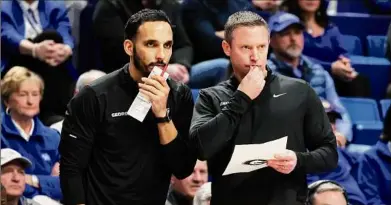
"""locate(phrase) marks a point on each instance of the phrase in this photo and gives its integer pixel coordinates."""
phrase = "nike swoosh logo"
(276, 96)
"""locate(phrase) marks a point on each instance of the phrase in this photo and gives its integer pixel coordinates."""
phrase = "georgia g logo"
(255, 162)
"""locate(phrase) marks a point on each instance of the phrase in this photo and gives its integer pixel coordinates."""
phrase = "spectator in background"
(287, 43)
(13, 176)
(323, 42)
(37, 34)
(203, 195)
(109, 20)
(267, 5)
(75, 8)
(182, 192)
(204, 21)
(326, 192)
(373, 173)
(343, 173)
(84, 79)
(21, 130)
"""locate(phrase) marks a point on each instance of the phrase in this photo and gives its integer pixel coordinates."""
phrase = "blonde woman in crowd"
(21, 130)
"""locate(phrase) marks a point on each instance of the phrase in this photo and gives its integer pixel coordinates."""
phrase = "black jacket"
(224, 117)
(109, 19)
(108, 157)
(202, 18)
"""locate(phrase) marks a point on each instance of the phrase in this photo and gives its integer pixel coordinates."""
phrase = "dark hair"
(242, 19)
(387, 126)
(321, 17)
(145, 15)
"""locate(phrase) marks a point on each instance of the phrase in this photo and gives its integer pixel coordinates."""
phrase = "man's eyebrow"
(169, 42)
(156, 41)
(150, 41)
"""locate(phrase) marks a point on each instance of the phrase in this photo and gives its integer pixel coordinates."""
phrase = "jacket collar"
(126, 79)
(17, 12)
(281, 65)
(9, 127)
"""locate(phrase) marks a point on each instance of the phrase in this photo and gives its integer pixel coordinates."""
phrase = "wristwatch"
(164, 119)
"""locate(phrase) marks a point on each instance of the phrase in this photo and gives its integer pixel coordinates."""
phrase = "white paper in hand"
(141, 105)
(251, 157)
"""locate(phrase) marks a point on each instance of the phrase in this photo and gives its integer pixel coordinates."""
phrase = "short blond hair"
(14, 78)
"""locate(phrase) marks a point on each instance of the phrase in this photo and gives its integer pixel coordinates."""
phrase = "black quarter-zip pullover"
(110, 158)
(224, 117)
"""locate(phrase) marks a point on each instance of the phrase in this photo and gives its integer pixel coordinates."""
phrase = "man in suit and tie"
(37, 34)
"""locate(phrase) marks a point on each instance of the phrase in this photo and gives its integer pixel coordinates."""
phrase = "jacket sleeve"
(337, 42)
(367, 180)
(10, 38)
(183, 50)
(211, 130)
(109, 31)
(180, 154)
(62, 24)
(50, 186)
(198, 24)
(344, 125)
(77, 138)
(319, 138)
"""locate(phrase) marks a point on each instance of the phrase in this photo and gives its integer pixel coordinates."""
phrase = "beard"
(141, 67)
(138, 64)
(293, 51)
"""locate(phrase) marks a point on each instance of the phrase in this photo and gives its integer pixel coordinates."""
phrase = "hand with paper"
(156, 90)
(251, 157)
(284, 162)
(152, 93)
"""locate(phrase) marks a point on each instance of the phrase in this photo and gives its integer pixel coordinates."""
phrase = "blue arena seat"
(352, 44)
(385, 104)
(356, 6)
(366, 132)
(377, 70)
(361, 109)
(361, 25)
(376, 46)
(195, 93)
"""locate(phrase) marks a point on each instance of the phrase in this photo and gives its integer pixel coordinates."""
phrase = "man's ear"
(128, 47)
(173, 178)
(226, 48)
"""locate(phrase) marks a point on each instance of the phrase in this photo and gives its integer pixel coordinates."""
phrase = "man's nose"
(160, 54)
(254, 55)
(16, 176)
(292, 37)
(197, 177)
